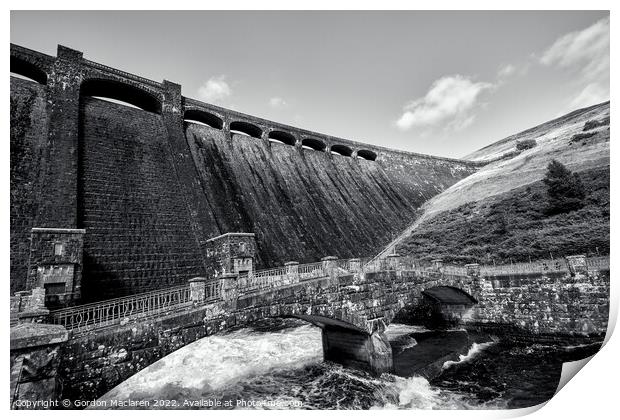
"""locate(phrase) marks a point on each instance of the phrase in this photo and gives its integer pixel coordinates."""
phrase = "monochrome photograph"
(306, 209)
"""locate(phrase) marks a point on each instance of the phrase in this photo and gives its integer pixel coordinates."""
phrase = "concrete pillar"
(370, 352)
(437, 264)
(393, 262)
(230, 289)
(197, 289)
(355, 265)
(577, 264)
(292, 272)
(329, 265)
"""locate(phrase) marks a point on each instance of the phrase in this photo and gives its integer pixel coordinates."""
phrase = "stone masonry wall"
(138, 233)
(554, 304)
(29, 123)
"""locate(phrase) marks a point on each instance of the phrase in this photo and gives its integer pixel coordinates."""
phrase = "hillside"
(497, 214)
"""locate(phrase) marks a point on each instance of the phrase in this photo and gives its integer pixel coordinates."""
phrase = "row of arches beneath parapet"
(128, 95)
(278, 136)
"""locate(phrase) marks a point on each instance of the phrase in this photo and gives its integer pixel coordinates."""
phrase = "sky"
(435, 82)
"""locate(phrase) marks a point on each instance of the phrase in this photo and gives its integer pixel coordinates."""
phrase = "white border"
(592, 394)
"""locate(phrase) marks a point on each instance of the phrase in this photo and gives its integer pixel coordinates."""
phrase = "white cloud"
(586, 53)
(277, 102)
(506, 71)
(215, 89)
(586, 50)
(592, 94)
(450, 101)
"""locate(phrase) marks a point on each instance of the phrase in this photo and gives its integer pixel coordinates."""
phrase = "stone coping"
(26, 335)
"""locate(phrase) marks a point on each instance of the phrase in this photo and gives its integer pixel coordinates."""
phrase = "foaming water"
(280, 363)
(217, 361)
(393, 331)
(473, 351)
(400, 336)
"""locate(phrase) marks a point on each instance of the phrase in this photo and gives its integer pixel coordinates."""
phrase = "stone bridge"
(92, 348)
(89, 349)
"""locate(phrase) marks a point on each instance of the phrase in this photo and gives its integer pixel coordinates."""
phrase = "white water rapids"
(284, 365)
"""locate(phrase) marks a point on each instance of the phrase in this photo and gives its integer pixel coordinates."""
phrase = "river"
(279, 364)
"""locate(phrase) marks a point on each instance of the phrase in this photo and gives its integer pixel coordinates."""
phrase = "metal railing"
(114, 310)
(213, 290)
(262, 279)
(454, 270)
(377, 264)
(598, 263)
(311, 271)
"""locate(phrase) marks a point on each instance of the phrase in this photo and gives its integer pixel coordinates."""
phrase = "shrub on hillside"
(592, 124)
(565, 191)
(526, 144)
(582, 136)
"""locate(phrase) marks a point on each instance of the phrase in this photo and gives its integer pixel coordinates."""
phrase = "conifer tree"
(565, 191)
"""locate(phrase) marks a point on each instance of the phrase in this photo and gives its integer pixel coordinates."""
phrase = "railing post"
(197, 290)
(230, 289)
(329, 266)
(355, 265)
(292, 272)
(577, 264)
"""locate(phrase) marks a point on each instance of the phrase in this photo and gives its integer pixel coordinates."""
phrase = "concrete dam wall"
(151, 185)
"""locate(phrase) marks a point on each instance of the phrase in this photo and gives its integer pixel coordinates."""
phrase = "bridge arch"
(27, 69)
(283, 137)
(449, 295)
(119, 91)
(314, 144)
(366, 154)
(246, 128)
(445, 306)
(203, 117)
(339, 149)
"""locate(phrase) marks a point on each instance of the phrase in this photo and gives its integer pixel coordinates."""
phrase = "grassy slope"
(463, 223)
